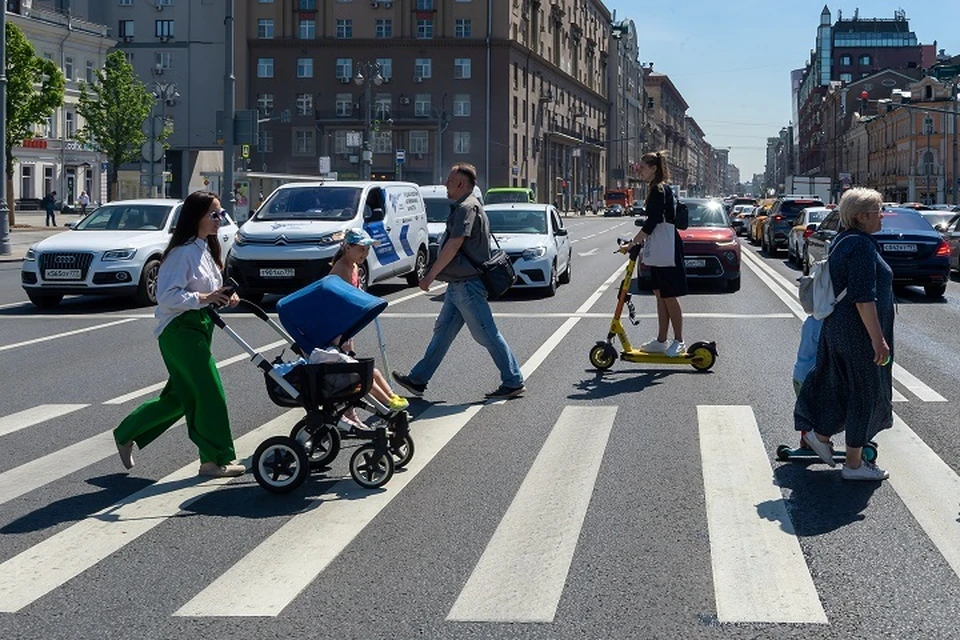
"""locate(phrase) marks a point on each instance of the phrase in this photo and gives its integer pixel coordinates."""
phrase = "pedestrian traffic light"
(563, 184)
(863, 102)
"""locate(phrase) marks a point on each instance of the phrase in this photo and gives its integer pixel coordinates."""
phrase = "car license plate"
(695, 264)
(277, 273)
(61, 274)
(900, 248)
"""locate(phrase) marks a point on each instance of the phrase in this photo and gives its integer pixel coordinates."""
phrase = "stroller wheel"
(280, 464)
(401, 448)
(369, 469)
(321, 447)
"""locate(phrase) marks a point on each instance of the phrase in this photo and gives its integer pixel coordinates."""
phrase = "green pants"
(193, 391)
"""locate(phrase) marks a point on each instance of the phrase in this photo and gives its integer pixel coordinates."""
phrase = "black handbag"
(497, 273)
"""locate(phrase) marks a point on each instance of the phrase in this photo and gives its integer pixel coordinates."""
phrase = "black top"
(657, 208)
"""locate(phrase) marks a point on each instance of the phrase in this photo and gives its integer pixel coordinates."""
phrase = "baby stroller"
(312, 317)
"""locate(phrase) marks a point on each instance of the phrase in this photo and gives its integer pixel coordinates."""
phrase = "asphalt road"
(645, 502)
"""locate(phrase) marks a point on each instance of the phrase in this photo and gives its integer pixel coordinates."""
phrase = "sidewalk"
(30, 229)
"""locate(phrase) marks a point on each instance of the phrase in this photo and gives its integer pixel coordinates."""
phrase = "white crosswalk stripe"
(35, 415)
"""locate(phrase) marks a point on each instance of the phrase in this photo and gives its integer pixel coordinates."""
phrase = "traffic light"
(563, 184)
(863, 102)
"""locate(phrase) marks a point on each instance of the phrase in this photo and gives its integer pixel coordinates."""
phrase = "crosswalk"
(759, 571)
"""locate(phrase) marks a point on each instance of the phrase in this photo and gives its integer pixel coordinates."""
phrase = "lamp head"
(358, 78)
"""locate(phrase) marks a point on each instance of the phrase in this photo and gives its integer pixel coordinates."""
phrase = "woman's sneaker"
(676, 349)
(654, 346)
(398, 404)
(866, 471)
(822, 449)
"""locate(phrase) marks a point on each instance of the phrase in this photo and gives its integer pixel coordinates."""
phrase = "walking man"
(465, 302)
(50, 205)
(84, 203)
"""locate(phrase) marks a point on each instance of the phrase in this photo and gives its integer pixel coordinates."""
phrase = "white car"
(114, 251)
(534, 237)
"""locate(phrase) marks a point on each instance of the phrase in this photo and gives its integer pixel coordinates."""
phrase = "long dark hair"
(657, 160)
(194, 208)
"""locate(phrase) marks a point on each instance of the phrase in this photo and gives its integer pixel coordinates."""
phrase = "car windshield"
(311, 203)
(438, 209)
(125, 217)
(707, 214)
(900, 220)
(937, 217)
(497, 197)
(517, 221)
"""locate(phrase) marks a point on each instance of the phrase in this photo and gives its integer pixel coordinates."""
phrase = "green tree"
(34, 90)
(114, 108)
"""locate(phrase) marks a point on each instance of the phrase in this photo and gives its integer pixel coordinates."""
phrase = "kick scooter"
(803, 453)
(699, 355)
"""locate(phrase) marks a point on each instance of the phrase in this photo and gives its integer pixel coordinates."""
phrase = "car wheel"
(44, 300)
(568, 272)
(419, 268)
(552, 286)
(147, 289)
(733, 285)
(935, 290)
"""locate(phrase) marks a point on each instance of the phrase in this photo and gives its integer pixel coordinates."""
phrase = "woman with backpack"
(850, 388)
(663, 253)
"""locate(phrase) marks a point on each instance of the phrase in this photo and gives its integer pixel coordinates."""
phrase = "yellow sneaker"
(398, 404)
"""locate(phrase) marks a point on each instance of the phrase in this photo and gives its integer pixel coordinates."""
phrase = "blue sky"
(731, 60)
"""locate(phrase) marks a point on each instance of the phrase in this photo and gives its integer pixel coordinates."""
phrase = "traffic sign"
(323, 164)
(354, 139)
(245, 151)
(401, 155)
(152, 151)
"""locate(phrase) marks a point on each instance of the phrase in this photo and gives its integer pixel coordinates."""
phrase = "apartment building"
(629, 129)
(668, 112)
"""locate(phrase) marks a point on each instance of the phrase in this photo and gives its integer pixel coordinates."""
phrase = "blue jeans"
(465, 302)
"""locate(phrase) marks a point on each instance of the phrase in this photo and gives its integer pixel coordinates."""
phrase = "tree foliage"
(114, 108)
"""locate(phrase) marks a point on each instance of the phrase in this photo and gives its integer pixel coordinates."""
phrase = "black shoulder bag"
(497, 273)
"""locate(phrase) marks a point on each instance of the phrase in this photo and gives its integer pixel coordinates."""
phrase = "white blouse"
(187, 271)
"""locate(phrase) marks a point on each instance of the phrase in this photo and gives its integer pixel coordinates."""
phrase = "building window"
(461, 68)
(344, 69)
(383, 142)
(165, 3)
(845, 60)
(461, 105)
(344, 105)
(382, 106)
(846, 77)
(266, 141)
(68, 68)
(128, 56)
(163, 60)
(306, 5)
(304, 104)
(47, 180)
(418, 142)
(865, 60)
(265, 28)
(265, 67)
(344, 28)
(304, 67)
(425, 5)
(421, 105)
(463, 28)
(126, 29)
(164, 29)
(91, 72)
(308, 29)
(303, 141)
(340, 142)
(26, 181)
(51, 126)
(384, 28)
(70, 128)
(386, 68)
(125, 3)
(265, 103)
(461, 142)
(423, 68)
(424, 29)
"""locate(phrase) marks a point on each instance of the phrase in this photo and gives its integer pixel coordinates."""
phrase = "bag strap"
(842, 294)
(477, 265)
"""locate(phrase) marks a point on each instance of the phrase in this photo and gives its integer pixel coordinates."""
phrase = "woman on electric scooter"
(669, 281)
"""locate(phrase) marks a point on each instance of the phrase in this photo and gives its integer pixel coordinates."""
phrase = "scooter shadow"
(606, 384)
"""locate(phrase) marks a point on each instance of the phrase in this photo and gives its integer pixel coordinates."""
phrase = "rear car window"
(904, 220)
(792, 208)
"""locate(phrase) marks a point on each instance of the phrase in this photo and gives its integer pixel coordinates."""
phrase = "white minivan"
(291, 239)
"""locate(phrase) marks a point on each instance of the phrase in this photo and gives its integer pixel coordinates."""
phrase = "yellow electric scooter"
(699, 355)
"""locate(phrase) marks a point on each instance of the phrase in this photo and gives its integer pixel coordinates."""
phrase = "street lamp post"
(443, 121)
(928, 156)
(166, 93)
(5, 248)
(581, 182)
(371, 77)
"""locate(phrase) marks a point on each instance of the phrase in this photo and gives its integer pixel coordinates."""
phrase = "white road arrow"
(589, 253)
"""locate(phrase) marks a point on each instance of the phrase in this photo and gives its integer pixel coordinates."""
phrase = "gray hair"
(856, 201)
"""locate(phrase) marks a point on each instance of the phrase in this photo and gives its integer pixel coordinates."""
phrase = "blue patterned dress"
(846, 390)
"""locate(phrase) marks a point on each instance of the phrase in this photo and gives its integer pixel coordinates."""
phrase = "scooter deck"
(785, 453)
(655, 358)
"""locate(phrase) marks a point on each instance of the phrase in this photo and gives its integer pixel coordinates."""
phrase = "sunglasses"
(218, 215)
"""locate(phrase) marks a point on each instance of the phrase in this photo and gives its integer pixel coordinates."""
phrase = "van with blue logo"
(291, 239)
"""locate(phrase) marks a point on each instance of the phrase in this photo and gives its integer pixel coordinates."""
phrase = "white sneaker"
(654, 346)
(822, 449)
(866, 471)
(676, 348)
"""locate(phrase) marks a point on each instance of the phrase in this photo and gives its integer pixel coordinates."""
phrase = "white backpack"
(816, 290)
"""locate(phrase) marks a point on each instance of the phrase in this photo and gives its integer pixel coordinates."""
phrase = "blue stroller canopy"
(330, 307)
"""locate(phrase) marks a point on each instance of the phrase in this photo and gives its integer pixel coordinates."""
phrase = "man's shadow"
(818, 503)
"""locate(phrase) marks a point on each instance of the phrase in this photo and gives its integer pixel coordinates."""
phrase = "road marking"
(928, 486)
(759, 573)
(417, 294)
(127, 397)
(592, 252)
(897, 396)
(782, 288)
(605, 316)
(13, 304)
(35, 415)
(63, 556)
(268, 578)
(65, 334)
(522, 572)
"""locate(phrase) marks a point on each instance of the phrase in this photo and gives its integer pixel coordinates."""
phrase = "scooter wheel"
(369, 469)
(321, 446)
(783, 453)
(870, 452)
(702, 356)
(602, 356)
(280, 464)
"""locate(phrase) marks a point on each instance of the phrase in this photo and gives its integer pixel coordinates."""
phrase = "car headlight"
(726, 243)
(118, 254)
(239, 238)
(333, 238)
(30, 256)
(534, 252)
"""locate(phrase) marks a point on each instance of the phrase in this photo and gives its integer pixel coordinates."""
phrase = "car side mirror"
(561, 232)
(71, 225)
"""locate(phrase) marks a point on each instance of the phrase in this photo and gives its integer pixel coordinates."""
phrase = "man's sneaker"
(503, 392)
(408, 384)
(866, 471)
(822, 449)
(654, 346)
(676, 348)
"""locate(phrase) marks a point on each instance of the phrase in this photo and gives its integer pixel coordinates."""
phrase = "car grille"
(711, 269)
(514, 255)
(66, 261)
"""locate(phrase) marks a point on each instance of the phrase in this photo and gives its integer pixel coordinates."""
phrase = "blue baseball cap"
(358, 236)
